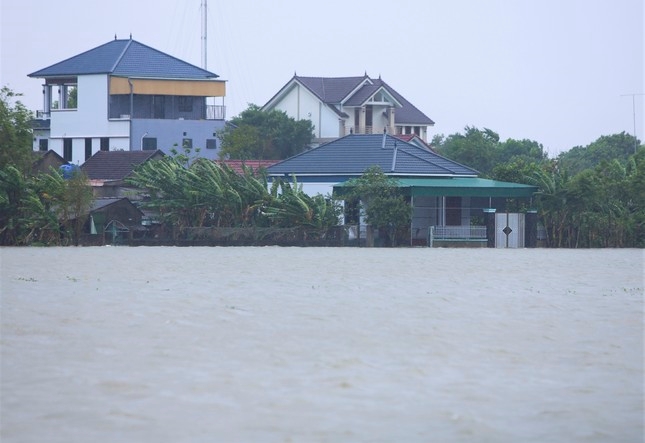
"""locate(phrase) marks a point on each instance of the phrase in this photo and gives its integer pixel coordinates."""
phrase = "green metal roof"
(460, 187)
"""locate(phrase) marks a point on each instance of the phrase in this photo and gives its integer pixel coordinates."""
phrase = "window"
(453, 211)
(185, 104)
(67, 149)
(211, 143)
(149, 144)
(70, 96)
(187, 143)
(43, 144)
(105, 143)
(88, 148)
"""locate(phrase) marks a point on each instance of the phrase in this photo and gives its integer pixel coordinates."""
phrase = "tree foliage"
(608, 147)
(483, 151)
(381, 201)
(15, 131)
(264, 135)
(591, 196)
(42, 209)
(208, 194)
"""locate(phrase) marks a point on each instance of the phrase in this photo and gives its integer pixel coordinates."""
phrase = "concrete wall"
(170, 133)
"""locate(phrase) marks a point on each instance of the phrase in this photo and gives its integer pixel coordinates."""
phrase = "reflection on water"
(308, 344)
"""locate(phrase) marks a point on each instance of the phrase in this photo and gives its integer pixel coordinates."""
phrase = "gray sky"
(553, 71)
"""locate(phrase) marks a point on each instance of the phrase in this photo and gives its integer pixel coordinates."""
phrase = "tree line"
(590, 196)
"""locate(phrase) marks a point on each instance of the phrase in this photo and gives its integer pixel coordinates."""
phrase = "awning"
(457, 187)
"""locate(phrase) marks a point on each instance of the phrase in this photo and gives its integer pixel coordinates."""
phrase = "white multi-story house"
(338, 106)
(124, 95)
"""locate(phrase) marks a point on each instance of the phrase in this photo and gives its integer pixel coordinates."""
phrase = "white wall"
(300, 104)
(90, 119)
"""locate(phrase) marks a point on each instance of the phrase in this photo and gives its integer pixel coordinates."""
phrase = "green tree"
(43, 209)
(258, 134)
(476, 148)
(15, 131)
(202, 193)
(607, 147)
(290, 206)
(483, 151)
(381, 201)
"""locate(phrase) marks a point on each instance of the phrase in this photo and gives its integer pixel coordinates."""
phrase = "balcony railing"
(215, 112)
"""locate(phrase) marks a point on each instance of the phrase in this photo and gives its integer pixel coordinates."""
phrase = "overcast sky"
(553, 71)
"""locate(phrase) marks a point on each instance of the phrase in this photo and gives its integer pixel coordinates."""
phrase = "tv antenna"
(633, 96)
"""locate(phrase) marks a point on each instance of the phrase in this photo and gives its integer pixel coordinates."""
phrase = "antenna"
(633, 96)
(204, 8)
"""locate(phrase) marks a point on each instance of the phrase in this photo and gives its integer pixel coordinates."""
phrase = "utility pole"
(633, 96)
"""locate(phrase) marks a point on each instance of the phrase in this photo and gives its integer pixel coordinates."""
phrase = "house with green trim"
(444, 194)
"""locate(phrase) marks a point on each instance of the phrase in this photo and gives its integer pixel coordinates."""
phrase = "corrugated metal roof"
(353, 154)
(466, 187)
(127, 58)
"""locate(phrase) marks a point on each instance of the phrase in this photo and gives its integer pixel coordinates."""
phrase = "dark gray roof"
(334, 90)
(364, 93)
(353, 154)
(127, 58)
(407, 113)
(331, 90)
(115, 165)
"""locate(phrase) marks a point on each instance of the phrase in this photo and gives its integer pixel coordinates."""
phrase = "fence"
(456, 233)
(251, 236)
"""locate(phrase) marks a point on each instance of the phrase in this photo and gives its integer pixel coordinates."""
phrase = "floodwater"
(119, 344)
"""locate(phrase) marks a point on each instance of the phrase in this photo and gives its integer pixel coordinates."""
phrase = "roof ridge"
(176, 58)
(120, 57)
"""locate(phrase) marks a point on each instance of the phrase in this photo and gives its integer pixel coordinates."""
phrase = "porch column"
(47, 100)
(361, 121)
(392, 126)
(489, 221)
(530, 229)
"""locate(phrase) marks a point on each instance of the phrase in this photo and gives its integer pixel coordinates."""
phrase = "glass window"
(67, 149)
(88, 148)
(149, 144)
(185, 104)
(211, 143)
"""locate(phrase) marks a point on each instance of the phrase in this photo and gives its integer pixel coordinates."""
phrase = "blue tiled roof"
(127, 58)
(353, 154)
